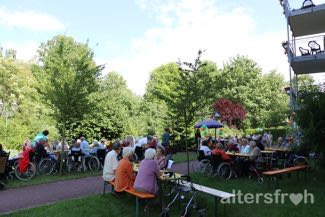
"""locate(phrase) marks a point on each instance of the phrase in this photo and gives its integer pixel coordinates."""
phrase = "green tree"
(163, 89)
(114, 109)
(23, 115)
(67, 75)
(310, 118)
(241, 80)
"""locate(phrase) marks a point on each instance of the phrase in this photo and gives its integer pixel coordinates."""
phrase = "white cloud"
(189, 25)
(30, 20)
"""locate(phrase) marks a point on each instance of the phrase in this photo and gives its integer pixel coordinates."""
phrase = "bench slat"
(207, 190)
(135, 193)
(285, 170)
(139, 194)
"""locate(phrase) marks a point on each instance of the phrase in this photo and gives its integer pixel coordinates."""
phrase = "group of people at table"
(251, 150)
(122, 171)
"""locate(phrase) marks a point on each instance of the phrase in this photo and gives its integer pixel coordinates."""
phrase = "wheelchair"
(74, 161)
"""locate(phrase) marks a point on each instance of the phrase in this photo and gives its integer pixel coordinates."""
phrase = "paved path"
(30, 196)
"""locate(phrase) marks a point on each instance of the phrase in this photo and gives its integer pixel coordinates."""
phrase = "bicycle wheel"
(28, 174)
(93, 163)
(225, 171)
(45, 166)
(202, 165)
(299, 161)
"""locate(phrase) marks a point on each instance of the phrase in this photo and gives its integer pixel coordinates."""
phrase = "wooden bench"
(138, 195)
(274, 173)
(217, 194)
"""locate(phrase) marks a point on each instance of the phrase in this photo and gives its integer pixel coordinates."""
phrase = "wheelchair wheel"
(195, 166)
(202, 165)
(45, 166)
(28, 174)
(300, 161)
(225, 171)
(164, 213)
(93, 163)
(260, 180)
(208, 169)
(187, 214)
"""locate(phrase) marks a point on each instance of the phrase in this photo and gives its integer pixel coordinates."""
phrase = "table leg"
(216, 206)
(137, 207)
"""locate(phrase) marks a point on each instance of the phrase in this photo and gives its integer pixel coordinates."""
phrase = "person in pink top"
(146, 179)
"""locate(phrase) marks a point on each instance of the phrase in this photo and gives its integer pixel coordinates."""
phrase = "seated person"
(59, 146)
(231, 146)
(218, 150)
(95, 146)
(40, 151)
(153, 143)
(84, 145)
(281, 142)
(205, 148)
(124, 176)
(111, 162)
(160, 157)
(256, 154)
(246, 149)
(146, 179)
(2, 152)
(102, 144)
(76, 146)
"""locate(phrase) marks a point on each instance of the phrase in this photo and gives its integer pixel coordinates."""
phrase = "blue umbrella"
(210, 123)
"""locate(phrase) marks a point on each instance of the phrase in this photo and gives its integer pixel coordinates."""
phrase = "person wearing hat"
(111, 162)
(124, 176)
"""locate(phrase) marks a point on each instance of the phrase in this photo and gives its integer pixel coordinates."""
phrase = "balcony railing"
(310, 45)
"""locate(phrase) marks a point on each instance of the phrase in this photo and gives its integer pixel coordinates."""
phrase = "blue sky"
(135, 36)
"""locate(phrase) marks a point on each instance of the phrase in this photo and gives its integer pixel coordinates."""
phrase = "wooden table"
(276, 149)
(267, 152)
(238, 154)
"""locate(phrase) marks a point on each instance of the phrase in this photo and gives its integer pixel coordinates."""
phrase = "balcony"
(304, 20)
(307, 54)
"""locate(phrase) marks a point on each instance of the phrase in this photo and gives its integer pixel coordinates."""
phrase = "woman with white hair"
(146, 179)
(256, 154)
(124, 176)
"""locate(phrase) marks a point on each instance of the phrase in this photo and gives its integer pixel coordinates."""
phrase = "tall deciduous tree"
(241, 80)
(193, 91)
(66, 77)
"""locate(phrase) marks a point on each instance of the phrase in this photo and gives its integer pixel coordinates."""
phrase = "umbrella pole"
(215, 134)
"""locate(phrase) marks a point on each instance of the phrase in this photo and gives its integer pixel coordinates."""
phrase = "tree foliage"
(310, 118)
(66, 77)
(232, 113)
(241, 80)
(17, 87)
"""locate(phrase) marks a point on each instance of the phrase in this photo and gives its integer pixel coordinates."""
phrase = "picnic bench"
(217, 194)
(274, 173)
(138, 195)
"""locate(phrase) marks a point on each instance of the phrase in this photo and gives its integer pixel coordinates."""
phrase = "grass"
(110, 206)
(51, 178)
(180, 157)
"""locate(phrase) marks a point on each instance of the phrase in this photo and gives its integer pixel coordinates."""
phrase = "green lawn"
(111, 206)
(51, 178)
(180, 157)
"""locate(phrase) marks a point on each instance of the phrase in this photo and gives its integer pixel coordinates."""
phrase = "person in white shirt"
(111, 162)
(84, 146)
(246, 149)
(205, 148)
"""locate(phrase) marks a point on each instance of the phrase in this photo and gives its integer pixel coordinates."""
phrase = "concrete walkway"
(15, 199)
